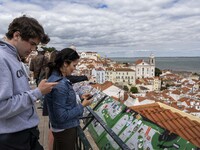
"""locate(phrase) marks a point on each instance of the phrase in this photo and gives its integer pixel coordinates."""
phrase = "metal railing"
(83, 143)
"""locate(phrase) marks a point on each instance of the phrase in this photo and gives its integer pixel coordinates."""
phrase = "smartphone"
(58, 80)
(91, 96)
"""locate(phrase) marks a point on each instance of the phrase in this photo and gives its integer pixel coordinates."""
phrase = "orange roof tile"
(176, 92)
(180, 123)
(103, 86)
(123, 69)
(138, 61)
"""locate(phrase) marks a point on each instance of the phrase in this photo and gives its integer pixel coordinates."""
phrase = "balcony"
(114, 126)
(83, 142)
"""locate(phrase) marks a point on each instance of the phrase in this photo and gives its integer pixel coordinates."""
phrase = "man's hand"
(46, 87)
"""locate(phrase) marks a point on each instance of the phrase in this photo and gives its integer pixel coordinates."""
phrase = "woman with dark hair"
(64, 111)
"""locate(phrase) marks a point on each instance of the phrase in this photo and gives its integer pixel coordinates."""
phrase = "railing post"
(81, 141)
(92, 118)
(92, 115)
(107, 129)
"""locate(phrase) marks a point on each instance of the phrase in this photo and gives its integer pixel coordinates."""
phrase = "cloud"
(114, 28)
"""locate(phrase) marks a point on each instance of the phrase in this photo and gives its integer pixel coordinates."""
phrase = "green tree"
(134, 90)
(50, 49)
(126, 88)
(195, 74)
(157, 72)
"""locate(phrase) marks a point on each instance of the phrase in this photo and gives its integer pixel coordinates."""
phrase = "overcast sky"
(123, 28)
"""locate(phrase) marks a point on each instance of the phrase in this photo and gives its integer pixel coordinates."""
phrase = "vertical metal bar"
(92, 118)
(109, 131)
(99, 102)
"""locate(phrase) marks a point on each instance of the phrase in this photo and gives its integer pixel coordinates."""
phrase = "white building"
(120, 75)
(89, 55)
(144, 69)
(99, 74)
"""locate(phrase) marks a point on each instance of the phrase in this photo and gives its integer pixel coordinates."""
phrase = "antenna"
(119, 95)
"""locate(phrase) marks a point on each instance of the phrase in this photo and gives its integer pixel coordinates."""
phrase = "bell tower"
(152, 60)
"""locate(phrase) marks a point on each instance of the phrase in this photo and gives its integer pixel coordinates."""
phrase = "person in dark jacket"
(73, 79)
(63, 108)
(38, 65)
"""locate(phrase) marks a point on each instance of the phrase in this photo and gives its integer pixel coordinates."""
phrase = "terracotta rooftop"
(178, 122)
(177, 92)
(91, 52)
(102, 87)
(100, 69)
(125, 96)
(123, 69)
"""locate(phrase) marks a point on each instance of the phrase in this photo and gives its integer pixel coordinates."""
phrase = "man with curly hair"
(18, 119)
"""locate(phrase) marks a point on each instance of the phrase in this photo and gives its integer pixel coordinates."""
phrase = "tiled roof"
(104, 86)
(109, 69)
(100, 69)
(177, 92)
(125, 96)
(124, 69)
(185, 90)
(138, 81)
(178, 122)
(190, 110)
(91, 52)
(141, 98)
(90, 66)
(116, 98)
(185, 99)
(138, 61)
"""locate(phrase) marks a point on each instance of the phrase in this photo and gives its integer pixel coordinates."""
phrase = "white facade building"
(89, 55)
(121, 75)
(99, 74)
(144, 69)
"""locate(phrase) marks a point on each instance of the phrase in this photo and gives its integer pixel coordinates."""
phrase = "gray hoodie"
(17, 110)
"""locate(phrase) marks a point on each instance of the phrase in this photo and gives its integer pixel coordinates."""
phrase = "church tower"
(152, 60)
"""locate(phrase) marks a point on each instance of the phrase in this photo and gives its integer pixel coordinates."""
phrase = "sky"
(114, 28)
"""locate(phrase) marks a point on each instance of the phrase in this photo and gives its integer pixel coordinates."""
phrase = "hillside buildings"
(173, 105)
(172, 101)
(180, 92)
(107, 70)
